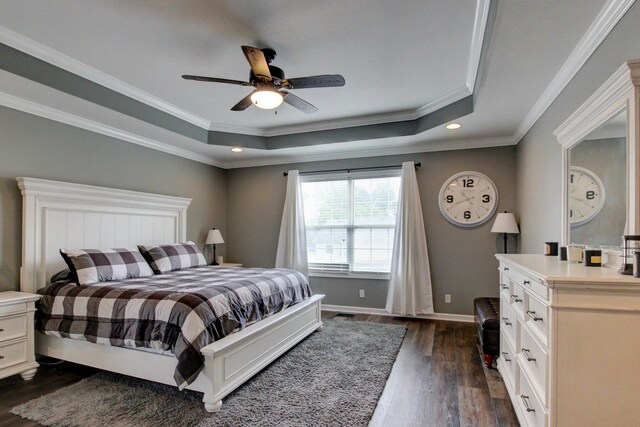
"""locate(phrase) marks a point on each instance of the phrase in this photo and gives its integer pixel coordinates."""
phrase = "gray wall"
(539, 154)
(36, 147)
(462, 262)
(607, 159)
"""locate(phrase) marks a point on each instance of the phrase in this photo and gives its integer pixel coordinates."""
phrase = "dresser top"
(14, 297)
(552, 270)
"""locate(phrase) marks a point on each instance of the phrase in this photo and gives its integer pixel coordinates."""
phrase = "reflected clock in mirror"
(586, 195)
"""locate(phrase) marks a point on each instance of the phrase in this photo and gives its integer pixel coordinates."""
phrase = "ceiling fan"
(271, 86)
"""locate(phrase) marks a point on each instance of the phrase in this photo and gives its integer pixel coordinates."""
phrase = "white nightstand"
(230, 264)
(16, 334)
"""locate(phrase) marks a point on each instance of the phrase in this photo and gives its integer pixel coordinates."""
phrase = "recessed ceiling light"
(236, 150)
(452, 126)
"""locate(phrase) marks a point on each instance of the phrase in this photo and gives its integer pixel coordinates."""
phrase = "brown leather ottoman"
(487, 316)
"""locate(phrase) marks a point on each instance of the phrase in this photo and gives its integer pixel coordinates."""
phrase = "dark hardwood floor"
(438, 380)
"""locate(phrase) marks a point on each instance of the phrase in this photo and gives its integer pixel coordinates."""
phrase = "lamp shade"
(505, 223)
(214, 237)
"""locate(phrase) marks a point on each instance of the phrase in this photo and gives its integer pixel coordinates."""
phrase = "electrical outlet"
(361, 293)
(447, 298)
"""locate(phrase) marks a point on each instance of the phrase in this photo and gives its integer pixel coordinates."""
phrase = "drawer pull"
(525, 401)
(532, 315)
(1, 330)
(506, 268)
(516, 298)
(526, 282)
(505, 287)
(1, 357)
(527, 354)
(505, 356)
(506, 321)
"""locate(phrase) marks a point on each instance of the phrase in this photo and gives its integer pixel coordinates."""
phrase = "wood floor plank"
(476, 408)
(438, 380)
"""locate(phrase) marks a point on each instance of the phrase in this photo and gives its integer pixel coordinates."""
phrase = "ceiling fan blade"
(299, 103)
(243, 104)
(325, 80)
(216, 80)
(258, 62)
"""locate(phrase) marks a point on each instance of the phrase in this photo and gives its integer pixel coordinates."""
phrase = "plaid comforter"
(180, 312)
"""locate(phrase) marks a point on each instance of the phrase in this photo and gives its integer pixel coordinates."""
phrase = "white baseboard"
(382, 312)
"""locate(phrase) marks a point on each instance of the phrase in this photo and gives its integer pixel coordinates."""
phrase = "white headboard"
(59, 215)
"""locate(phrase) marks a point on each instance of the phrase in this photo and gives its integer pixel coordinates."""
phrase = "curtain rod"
(416, 164)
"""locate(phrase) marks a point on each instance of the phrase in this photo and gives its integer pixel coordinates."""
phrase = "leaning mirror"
(597, 185)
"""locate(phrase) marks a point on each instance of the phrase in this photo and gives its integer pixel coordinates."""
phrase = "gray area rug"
(332, 378)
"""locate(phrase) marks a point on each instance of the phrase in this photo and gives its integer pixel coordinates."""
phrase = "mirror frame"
(621, 91)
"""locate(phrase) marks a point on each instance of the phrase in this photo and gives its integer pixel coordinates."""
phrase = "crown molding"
(54, 57)
(424, 147)
(606, 20)
(477, 40)
(40, 110)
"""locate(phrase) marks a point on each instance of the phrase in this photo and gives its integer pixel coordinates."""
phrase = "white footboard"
(229, 362)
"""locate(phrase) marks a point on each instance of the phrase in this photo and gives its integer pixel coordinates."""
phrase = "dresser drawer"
(537, 318)
(533, 359)
(508, 323)
(13, 327)
(534, 284)
(517, 300)
(13, 308)
(531, 407)
(505, 287)
(508, 364)
(13, 354)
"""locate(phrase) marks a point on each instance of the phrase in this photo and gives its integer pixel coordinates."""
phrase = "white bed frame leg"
(212, 407)
(28, 375)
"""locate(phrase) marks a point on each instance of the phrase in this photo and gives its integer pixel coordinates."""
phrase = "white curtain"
(292, 244)
(410, 279)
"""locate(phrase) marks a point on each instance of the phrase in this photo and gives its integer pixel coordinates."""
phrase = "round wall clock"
(586, 195)
(468, 199)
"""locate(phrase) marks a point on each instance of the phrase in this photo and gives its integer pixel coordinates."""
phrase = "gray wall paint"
(539, 154)
(462, 262)
(40, 148)
(606, 158)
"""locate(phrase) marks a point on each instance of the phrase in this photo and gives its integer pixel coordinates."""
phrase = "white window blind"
(350, 220)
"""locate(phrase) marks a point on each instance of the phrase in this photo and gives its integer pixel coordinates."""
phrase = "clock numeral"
(486, 198)
(570, 213)
(449, 198)
(571, 178)
(468, 182)
(467, 215)
(591, 195)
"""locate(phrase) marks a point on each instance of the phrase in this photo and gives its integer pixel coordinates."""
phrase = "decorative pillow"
(166, 258)
(93, 265)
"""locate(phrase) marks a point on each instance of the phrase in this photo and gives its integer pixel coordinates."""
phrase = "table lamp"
(505, 223)
(214, 237)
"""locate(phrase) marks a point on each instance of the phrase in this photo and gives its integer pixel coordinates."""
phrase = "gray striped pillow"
(92, 265)
(165, 258)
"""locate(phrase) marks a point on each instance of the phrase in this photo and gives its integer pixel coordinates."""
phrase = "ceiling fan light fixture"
(266, 98)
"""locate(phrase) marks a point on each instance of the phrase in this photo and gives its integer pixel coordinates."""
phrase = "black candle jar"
(592, 257)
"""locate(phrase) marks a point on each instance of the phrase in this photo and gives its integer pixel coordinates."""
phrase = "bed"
(58, 215)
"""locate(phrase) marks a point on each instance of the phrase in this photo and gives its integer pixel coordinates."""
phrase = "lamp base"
(214, 263)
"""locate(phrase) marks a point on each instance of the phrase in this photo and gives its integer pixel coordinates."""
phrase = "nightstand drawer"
(13, 327)
(13, 354)
(13, 308)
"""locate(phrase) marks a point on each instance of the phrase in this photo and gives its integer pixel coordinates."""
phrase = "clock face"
(586, 195)
(468, 199)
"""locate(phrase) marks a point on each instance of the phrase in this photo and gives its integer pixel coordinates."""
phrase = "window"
(350, 220)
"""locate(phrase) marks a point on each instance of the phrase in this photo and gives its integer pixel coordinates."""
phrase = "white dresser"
(16, 334)
(569, 342)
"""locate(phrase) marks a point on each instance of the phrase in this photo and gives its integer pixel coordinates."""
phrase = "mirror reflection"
(597, 185)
